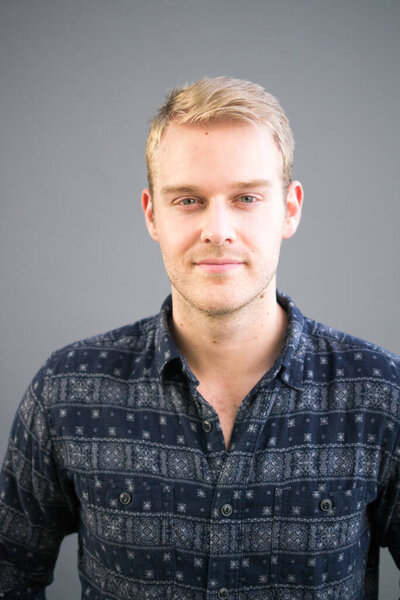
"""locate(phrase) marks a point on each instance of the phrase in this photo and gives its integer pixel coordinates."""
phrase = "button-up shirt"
(114, 441)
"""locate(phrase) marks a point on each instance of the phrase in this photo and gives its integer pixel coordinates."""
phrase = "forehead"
(217, 150)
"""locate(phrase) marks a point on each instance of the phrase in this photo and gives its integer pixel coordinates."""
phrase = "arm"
(36, 510)
(386, 513)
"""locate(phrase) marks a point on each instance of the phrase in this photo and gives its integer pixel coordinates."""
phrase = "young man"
(228, 447)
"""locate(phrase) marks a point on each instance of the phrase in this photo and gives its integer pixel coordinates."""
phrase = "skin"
(218, 193)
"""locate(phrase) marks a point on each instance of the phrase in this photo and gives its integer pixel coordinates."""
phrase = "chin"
(218, 303)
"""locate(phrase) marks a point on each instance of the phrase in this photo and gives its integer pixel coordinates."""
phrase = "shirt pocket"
(322, 539)
(125, 527)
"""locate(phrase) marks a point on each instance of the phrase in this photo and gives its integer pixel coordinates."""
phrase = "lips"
(219, 261)
(219, 265)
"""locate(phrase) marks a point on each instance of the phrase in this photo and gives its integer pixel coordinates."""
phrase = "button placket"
(224, 537)
(276, 524)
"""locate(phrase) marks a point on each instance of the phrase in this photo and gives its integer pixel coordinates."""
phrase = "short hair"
(217, 99)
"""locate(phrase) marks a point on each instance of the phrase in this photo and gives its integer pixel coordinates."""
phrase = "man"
(228, 447)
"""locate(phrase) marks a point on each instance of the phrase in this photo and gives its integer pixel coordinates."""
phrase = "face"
(218, 197)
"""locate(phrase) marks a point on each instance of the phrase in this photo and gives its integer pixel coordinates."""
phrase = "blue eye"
(186, 200)
(251, 198)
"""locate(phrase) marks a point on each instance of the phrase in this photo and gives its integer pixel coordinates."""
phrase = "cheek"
(264, 239)
(175, 242)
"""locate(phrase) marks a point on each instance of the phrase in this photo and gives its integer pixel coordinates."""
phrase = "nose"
(217, 225)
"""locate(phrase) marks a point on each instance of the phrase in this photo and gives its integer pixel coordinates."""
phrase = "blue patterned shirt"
(113, 440)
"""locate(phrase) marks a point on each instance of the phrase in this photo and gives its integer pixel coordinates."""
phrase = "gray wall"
(79, 81)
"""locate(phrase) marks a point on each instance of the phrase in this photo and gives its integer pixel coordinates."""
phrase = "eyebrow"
(238, 185)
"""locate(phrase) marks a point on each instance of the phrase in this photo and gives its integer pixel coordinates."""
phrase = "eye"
(248, 199)
(188, 201)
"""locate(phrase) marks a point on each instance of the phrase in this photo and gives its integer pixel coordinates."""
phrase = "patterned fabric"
(112, 440)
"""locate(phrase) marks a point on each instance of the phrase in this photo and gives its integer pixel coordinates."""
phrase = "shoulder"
(109, 351)
(343, 354)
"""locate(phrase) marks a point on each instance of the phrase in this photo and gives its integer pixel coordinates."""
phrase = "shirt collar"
(292, 356)
(289, 365)
(167, 354)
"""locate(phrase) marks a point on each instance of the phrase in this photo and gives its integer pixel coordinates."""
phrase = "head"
(217, 100)
(219, 156)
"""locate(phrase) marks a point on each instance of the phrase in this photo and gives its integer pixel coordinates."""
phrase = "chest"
(226, 400)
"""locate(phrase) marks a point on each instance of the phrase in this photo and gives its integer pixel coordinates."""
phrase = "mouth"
(218, 266)
(219, 261)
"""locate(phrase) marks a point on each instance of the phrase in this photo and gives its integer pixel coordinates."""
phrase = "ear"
(147, 204)
(294, 203)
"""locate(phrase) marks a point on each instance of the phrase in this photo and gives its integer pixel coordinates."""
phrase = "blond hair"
(216, 99)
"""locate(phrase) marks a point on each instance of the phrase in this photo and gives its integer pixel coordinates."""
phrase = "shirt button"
(223, 593)
(226, 510)
(125, 498)
(207, 426)
(326, 504)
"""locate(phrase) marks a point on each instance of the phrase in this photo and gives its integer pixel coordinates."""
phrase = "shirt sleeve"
(36, 505)
(387, 512)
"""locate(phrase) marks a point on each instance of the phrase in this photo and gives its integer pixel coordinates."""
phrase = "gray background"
(79, 81)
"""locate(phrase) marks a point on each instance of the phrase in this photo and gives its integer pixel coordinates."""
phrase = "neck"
(240, 344)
